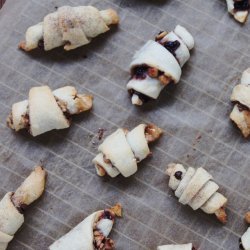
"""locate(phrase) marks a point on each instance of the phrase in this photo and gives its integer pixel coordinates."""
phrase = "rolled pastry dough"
(166, 56)
(121, 151)
(241, 97)
(245, 240)
(176, 247)
(197, 189)
(45, 110)
(239, 15)
(12, 204)
(69, 26)
(83, 236)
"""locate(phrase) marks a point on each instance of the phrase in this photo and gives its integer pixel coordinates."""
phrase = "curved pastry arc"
(197, 189)
(70, 27)
(46, 110)
(159, 63)
(13, 204)
(121, 151)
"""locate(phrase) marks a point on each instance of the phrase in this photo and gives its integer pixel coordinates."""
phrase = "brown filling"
(100, 241)
(221, 215)
(241, 107)
(140, 72)
(152, 133)
(18, 205)
(10, 121)
(101, 170)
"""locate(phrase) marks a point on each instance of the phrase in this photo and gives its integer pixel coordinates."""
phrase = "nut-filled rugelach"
(196, 188)
(13, 204)
(46, 110)
(70, 27)
(92, 233)
(159, 63)
(241, 98)
(121, 151)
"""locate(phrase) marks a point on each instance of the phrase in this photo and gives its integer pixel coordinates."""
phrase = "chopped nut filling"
(101, 170)
(247, 217)
(152, 132)
(160, 35)
(18, 205)
(221, 215)
(101, 242)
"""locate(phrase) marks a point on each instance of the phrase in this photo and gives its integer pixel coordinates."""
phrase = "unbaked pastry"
(239, 9)
(46, 110)
(176, 247)
(159, 63)
(71, 27)
(91, 234)
(241, 98)
(13, 204)
(196, 188)
(121, 151)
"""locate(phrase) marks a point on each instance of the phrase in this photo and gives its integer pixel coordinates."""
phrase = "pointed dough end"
(241, 16)
(117, 209)
(85, 102)
(110, 16)
(221, 215)
(22, 46)
(31, 189)
(169, 169)
(152, 132)
(136, 100)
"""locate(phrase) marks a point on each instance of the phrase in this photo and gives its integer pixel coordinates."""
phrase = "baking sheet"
(194, 115)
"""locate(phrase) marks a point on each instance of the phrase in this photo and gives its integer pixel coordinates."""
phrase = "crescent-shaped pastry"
(239, 9)
(121, 151)
(159, 63)
(241, 98)
(13, 204)
(188, 246)
(70, 27)
(197, 189)
(91, 234)
(46, 110)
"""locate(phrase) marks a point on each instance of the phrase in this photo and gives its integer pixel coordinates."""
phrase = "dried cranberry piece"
(241, 5)
(172, 46)
(178, 175)
(140, 72)
(108, 215)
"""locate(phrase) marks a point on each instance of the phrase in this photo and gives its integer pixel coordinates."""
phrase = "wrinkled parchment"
(194, 115)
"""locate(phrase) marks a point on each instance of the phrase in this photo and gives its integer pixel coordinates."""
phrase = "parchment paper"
(194, 115)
